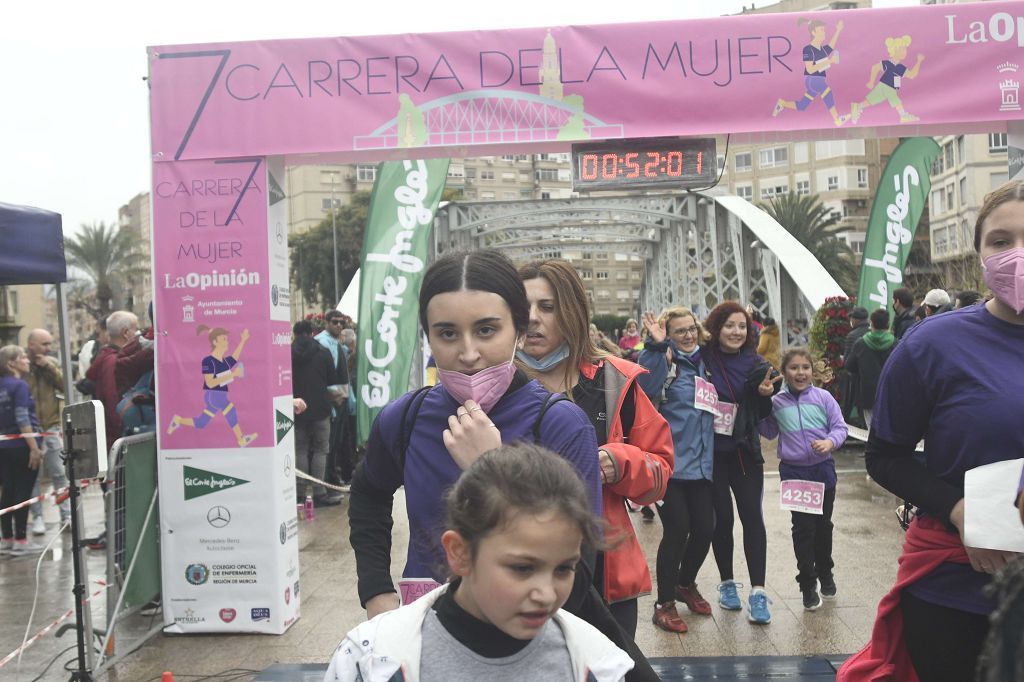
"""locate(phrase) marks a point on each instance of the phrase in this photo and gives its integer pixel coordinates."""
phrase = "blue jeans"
(52, 448)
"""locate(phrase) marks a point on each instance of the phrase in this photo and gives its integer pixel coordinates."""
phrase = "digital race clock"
(657, 162)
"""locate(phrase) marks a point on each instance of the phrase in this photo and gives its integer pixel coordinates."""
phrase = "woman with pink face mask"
(955, 381)
(474, 309)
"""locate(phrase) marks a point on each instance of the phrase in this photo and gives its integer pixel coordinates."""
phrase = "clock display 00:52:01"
(650, 165)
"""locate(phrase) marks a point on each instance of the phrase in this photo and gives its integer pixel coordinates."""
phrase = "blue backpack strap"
(412, 409)
(550, 400)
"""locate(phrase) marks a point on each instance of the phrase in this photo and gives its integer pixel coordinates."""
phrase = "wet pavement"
(867, 540)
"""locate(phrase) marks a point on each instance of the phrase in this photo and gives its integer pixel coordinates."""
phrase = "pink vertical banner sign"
(213, 297)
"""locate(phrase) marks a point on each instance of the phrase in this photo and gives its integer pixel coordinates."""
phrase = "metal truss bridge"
(700, 248)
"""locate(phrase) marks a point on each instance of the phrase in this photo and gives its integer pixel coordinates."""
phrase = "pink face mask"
(485, 388)
(1004, 275)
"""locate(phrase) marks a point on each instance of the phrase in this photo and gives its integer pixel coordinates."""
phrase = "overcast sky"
(74, 122)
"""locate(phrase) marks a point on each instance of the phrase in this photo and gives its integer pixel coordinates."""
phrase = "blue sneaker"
(728, 599)
(759, 613)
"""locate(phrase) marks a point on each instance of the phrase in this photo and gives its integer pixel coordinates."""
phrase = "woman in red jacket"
(637, 453)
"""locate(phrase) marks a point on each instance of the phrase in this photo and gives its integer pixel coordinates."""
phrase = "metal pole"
(334, 236)
(83, 674)
(65, 341)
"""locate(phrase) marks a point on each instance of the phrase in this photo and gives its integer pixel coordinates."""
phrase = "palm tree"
(108, 256)
(814, 226)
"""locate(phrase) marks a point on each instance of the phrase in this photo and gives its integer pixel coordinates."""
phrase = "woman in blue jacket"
(672, 356)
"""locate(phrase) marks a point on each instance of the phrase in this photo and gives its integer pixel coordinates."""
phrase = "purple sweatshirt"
(430, 471)
(796, 420)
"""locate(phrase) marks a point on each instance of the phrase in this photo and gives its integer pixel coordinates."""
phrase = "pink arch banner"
(894, 72)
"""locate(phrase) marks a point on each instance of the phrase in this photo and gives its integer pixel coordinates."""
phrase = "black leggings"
(18, 480)
(812, 543)
(943, 643)
(688, 517)
(625, 614)
(746, 480)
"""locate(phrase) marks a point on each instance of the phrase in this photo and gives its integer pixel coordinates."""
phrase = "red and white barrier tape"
(314, 479)
(39, 635)
(41, 434)
(59, 497)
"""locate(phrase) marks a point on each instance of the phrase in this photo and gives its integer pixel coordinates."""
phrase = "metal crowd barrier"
(133, 547)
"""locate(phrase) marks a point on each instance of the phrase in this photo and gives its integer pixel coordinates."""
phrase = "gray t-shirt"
(445, 659)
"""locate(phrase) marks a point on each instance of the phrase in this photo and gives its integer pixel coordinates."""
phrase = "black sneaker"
(811, 599)
(828, 587)
(647, 513)
(327, 500)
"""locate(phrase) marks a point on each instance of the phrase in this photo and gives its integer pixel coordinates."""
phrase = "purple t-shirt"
(954, 380)
(212, 365)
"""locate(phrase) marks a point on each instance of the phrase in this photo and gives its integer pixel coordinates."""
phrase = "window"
(545, 195)
(486, 195)
(721, 162)
(776, 156)
(456, 170)
(586, 275)
(745, 191)
(470, 173)
(800, 152)
(486, 175)
(621, 276)
(938, 165)
(508, 176)
(774, 190)
(602, 274)
(950, 197)
(862, 178)
(511, 195)
(622, 294)
(508, 157)
(996, 143)
(547, 174)
(938, 201)
(636, 293)
(526, 193)
(603, 293)
(743, 161)
(966, 233)
(325, 204)
(803, 187)
(960, 148)
(14, 301)
(832, 182)
(621, 257)
(587, 255)
(603, 255)
(963, 192)
(940, 241)
(947, 151)
(366, 173)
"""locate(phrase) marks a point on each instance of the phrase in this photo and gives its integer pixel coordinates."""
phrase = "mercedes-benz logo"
(218, 516)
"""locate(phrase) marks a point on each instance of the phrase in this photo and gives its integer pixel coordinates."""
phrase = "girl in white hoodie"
(516, 521)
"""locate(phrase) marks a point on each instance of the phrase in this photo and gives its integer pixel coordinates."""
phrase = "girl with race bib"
(517, 520)
(809, 424)
(745, 383)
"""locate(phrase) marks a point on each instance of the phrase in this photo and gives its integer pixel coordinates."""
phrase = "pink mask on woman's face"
(485, 388)
(1004, 275)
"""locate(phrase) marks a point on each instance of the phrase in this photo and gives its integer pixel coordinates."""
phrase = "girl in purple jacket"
(809, 425)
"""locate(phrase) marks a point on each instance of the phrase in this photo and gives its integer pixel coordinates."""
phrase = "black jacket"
(902, 322)
(851, 338)
(752, 410)
(865, 367)
(312, 372)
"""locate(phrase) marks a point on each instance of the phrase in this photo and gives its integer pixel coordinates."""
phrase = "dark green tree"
(312, 264)
(110, 258)
(814, 226)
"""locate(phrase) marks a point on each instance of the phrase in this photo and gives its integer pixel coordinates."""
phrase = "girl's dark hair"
(514, 479)
(484, 270)
(1011, 191)
(718, 316)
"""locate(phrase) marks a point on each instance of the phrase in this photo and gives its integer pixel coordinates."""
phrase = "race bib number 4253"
(802, 496)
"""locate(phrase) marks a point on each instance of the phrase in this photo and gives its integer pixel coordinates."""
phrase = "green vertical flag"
(900, 200)
(395, 251)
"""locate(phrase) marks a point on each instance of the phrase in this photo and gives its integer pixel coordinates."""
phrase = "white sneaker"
(38, 526)
(26, 549)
